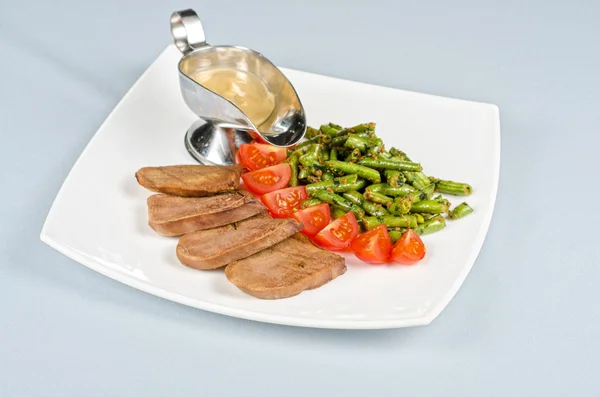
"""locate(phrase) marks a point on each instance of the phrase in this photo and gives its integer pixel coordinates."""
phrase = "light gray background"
(525, 323)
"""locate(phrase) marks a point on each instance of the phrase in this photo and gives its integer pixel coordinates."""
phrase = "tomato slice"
(238, 159)
(313, 218)
(268, 179)
(255, 156)
(374, 246)
(409, 248)
(339, 233)
(282, 203)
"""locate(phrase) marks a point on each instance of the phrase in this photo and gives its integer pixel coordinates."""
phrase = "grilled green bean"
(384, 188)
(378, 198)
(429, 207)
(312, 132)
(454, 188)
(336, 212)
(376, 147)
(353, 157)
(433, 225)
(311, 202)
(390, 164)
(339, 141)
(333, 154)
(356, 142)
(461, 210)
(328, 130)
(304, 173)
(396, 234)
(394, 178)
(364, 172)
(408, 221)
(336, 185)
(401, 206)
(340, 201)
(369, 207)
(293, 161)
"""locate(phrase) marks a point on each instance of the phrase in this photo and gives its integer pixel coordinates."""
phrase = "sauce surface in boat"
(244, 89)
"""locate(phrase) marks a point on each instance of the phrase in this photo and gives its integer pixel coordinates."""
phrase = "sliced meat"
(213, 248)
(190, 180)
(174, 216)
(285, 269)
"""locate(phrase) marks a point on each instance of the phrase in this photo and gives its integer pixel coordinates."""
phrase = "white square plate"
(99, 216)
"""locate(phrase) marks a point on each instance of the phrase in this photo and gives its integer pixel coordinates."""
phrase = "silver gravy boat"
(222, 127)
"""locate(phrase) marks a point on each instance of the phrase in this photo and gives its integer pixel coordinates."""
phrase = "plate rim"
(428, 316)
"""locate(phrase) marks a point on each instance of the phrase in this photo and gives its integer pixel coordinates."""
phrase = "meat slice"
(285, 269)
(174, 216)
(213, 248)
(190, 180)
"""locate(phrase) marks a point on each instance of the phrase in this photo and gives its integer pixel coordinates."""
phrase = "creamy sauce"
(244, 89)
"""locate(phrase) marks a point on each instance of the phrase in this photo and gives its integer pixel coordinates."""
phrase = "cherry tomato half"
(339, 233)
(409, 248)
(374, 246)
(238, 159)
(255, 156)
(268, 179)
(313, 218)
(282, 203)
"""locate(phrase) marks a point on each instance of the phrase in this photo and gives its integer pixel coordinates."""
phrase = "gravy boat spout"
(224, 126)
